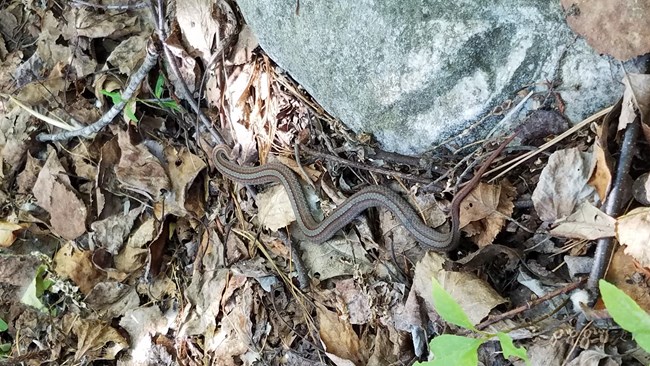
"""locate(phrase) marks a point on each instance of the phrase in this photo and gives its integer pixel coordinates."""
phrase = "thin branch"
(509, 314)
(353, 164)
(149, 61)
(109, 7)
(614, 203)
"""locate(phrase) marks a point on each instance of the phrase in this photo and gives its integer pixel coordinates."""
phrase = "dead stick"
(508, 314)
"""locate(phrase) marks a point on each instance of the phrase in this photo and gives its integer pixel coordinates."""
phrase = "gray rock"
(414, 71)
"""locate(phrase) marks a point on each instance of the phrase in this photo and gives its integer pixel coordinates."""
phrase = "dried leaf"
(339, 257)
(641, 189)
(129, 53)
(488, 212)
(480, 203)
(201, 22)
(111, 233)
(139, 170)
(563, 183)
(9, 232)
(92, 24)
(633, 231)
(612, 27)
(474, 295)
(183, 168)
(339, 339)
(246, 43)
(274, 208)
(602, 176)
(55, 195)
(587, 223)
(636, 98)
(624, 273)
(96, 340)
(77, 266)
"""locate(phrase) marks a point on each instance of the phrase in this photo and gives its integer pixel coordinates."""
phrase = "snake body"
(371, 196)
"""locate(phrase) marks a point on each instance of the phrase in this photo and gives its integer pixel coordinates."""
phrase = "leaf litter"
(132, 250)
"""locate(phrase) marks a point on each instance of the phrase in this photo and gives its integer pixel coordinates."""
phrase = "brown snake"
(371, 196)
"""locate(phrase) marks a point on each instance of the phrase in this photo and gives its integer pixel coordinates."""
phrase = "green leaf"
(627, 313)
(448, 308)
(171, 104)
(129, 111)
(159, 86)
(115, 97)
(3, 325)
(36, 289)
(454, 350)
(509, 349)
(5, 348)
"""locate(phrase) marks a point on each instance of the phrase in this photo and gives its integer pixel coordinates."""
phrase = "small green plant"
(460, 350)
(626, 313)
(158, 101)
(5, 348)
(37, 288)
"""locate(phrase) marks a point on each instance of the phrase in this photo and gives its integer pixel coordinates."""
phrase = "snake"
(367, 197)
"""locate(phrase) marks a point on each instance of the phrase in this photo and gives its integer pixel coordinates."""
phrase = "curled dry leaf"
(633, 231)
(183, 168)
(636, 99)
(341, 342)
(624, 273)
(484, 212)
(563, 183)
(641, 189)
(601, 179)
(203, 21)
(9, 232)
(474, 295)
(588, 222)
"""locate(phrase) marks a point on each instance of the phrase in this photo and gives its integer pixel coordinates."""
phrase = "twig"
(530, 305)
(110, 7)
(614, 204)
(353, 164)
(520, 160)
(156, 8)
(149, 61)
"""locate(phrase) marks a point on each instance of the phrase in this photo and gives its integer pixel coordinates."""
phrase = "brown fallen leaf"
(342, 344)
(480, 203)
(183, 169)
(614, 27)
(625, 274)
(9, 232)
(588, 222)
(139, 170)
(641, 189)
(633, 231)
(475, 296)
(92, 24)
(274, 208)
(636, 99)
(601, 179)
(96, 339)
(55, 195)
(485, 210)
(77, 265)
(563, 183)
